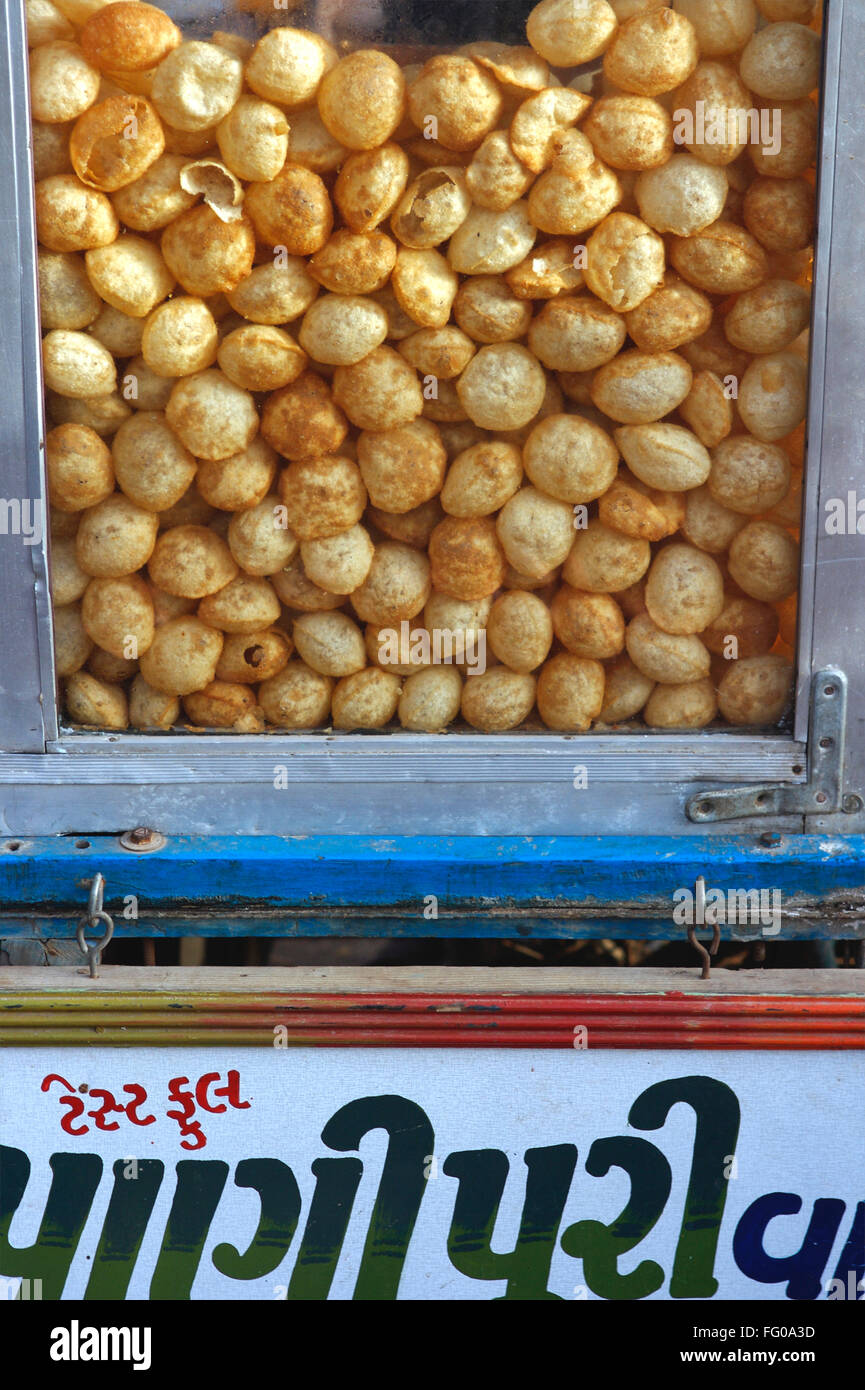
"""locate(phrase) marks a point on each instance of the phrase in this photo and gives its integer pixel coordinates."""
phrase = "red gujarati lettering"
(139, 1097)
(230, 1090)
(73, 1103)
(184, 1116)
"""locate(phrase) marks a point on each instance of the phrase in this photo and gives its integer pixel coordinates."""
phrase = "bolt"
(770, 838)
(851, 804)
(140, 835)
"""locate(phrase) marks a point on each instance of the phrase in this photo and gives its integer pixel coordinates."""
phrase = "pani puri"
(287, 65)
(706, 409)
(489, 243)
(45, 23)
(425, 287)
(75, 364)
(802, 11)
(79, 468)
(296, 698)
(767, 319)
(118, 332)
(603, 561)
(722, 27)
(466, 559)
(191, 562)
(651, 53)
(495, 178)
(292, 210)
(72, 645)
(322, 496)
(253, 139)
(773, 395)
(329, 643)
(248, 658)
(153, 468)
(102, 414)
(520, 630)
(635, 510)
(128, 37)
(662, 656)
(354, 262)
(792, 145)
(722, 259)
(302, 420)
(629, 132)
(340, 329)
(118, 615)
(50, 144)
(258, 543)
(369, 185)
(497, 700)
(396, 587)
(464, 99)
(482, 478)
(684, 589)
(684, 196)
(72, 217)
(487, 309)
(114, 669)
(749, 475)
(764, 561)
(440, 352)
(115, 538)
(208, 256)
(625, 261)
(502, 387)
(780, 213)
(339, 564)
(402, 467)
(366, 700)
(637, 388)
(430, 699)
(180, 337)
(587, 624)
(708, 524)
(570, 458)
(547, 272)
(689, 706)
(295, 590)
(212, 417)
(576, 333)
(151, 709)
(259, 357)
(540, 119)
(756, 690)
(311, 144)
(93, 702)
(63, 84)
(743, 628)
(362, 98)
(196, 85)
(570, 692)
(219, 705)
(245, 604)
(115, 142)
(569, 204)
(68, 580)
(626, 691)
(782, 62)
(414, 526)
(156, 197)
(568, 33)
(182, 657)
(535, 531)
(274, 294)
(713, 108)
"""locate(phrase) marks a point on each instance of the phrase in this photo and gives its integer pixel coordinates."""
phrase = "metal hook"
(710, 918)
(95, 914)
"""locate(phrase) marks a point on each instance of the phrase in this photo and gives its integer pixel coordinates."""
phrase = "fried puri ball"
(466, 559)
(380, 392)
(652, 53)
(362, 98)
(191, 561)
(253, 139)
(72, 643)
(63, 84)
(79, 466)
(322, 496)
(773, 395)
(329, 643)
(302, 420)
(744, 627)
(570, 458)
(588, 624)
(152, 466)
(722, 259)
(396, 587)
(339, 564)
(707, 523)
(636, 510)
(626, 691)
(430, 699)
(756, 690)
(764, 561)
(684, 589)
(260, 357)
(180, 337)
(245, 604)
(495, 178)
(208, 256)
(603, 561)
(463, 97)
(196, 85)
(664, 456)
(297, 697)
(252, 657)
(535, 531)
(692, 705)
(182, 657)
(151, 709)
(340, 329)
(296, 590)
(782, 62)
(749, 475)
(502, 387)
(258, 540)
(274, 293)
(520, 630)
(570, 692)
(402, 467)
(74, 364)
(117, 615)
(213, 417)
(96, 703)
(220, 705)
(496, 700)
(625, 261)
(354, 262)
(482, 478)
(637, 388)
(576, 333)
(365, 700)
(629, 132)
(292, 210)
(674, 314)
(287, 65)
(72, 217)
(568, 34)
(663, 656)
(369, 186)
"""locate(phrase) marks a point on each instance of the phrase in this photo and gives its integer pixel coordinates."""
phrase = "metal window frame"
(457, 783)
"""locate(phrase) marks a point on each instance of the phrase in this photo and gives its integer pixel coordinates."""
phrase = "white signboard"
(430, 1173)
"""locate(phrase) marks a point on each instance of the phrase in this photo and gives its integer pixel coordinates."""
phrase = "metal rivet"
(851, 804)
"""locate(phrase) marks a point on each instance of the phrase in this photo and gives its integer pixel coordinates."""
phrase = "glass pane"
(425, 367)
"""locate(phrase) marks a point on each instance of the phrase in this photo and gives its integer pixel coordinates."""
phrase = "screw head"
(770, 838)
(851, 804)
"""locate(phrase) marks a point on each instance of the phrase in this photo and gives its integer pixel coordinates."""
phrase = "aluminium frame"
(454, 783)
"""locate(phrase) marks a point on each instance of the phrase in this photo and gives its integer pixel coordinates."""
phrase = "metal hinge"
(823, 792)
